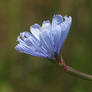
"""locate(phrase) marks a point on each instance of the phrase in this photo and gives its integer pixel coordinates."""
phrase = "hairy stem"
(75, 72)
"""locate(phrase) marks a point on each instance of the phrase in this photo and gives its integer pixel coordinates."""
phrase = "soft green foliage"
(25, 73)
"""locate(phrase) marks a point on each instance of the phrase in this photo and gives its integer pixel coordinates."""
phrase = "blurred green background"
(24, 73)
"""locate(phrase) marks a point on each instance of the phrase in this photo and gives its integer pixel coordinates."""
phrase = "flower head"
(45, 41)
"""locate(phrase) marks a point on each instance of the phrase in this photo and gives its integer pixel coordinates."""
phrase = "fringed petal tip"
(57, 19)
(68, 19)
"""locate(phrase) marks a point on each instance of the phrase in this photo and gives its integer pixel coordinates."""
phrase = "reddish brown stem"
(74, 71)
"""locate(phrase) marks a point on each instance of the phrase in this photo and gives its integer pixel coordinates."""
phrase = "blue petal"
(65, 26)
(56, 30)
(29, 44)
(35, 30)
(24, 49)
(57, 19)
(47, 38)
(57, 35)
(47, 44)
(45, 25)
(24, 35)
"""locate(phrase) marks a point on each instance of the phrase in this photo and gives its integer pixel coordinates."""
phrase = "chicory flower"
(45, 41)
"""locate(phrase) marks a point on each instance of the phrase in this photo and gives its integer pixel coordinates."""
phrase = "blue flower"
(45, 41)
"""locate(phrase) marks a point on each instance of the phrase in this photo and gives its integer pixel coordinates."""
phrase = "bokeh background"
(24, 73)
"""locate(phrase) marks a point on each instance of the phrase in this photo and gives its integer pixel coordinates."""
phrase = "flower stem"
(75, 72)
